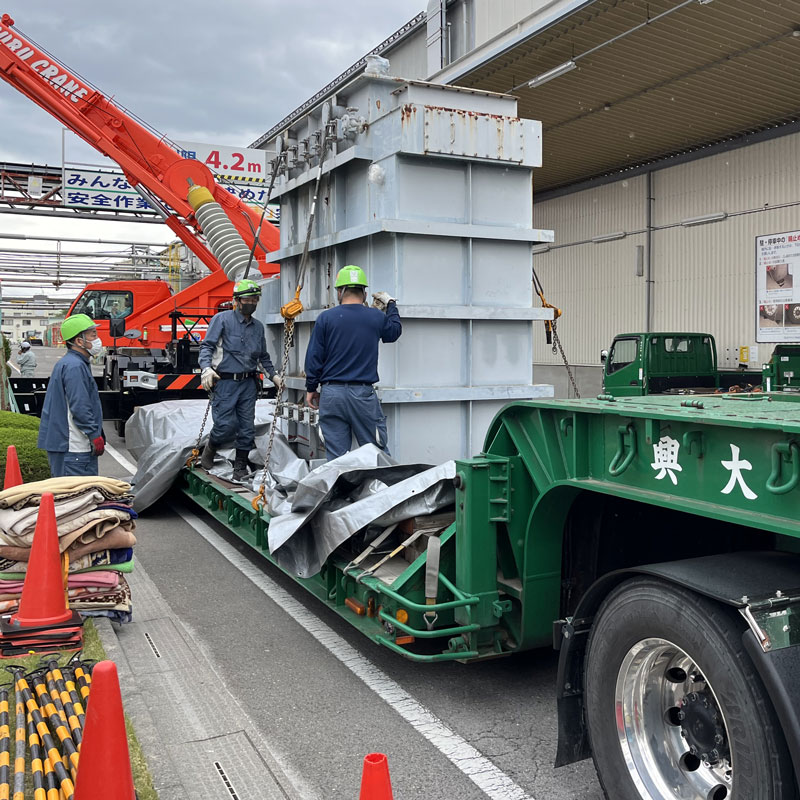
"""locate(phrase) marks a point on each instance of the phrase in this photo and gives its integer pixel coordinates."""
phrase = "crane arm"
(144, 156)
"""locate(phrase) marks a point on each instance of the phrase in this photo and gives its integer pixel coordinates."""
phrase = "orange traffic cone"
(375, 783)
(104, 769)
(13, 474)
(43, 600)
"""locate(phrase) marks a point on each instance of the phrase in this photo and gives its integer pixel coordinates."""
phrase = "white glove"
(381, 300)
(280, 384)
(208, 378)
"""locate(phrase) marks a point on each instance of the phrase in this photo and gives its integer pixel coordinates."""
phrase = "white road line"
(482, 772)
(116, 455)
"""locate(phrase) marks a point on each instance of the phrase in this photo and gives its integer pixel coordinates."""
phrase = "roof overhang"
(665, 78)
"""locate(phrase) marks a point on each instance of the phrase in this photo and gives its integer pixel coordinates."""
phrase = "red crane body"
(148, 161)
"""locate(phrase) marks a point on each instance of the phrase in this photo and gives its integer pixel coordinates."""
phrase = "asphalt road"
(317, 715)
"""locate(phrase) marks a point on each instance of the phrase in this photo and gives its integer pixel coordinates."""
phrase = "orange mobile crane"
(151, 165)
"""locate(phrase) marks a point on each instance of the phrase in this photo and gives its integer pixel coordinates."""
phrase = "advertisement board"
(778, 287)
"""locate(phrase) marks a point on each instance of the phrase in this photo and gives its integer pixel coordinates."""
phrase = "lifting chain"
(551, 331)
(260, 500)
(558, 348)
(196, 449)
(290, 311)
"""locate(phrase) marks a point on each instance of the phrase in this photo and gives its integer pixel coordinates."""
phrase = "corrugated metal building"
(670, 135)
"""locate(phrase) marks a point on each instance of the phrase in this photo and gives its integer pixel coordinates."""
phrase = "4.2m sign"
(232, 163)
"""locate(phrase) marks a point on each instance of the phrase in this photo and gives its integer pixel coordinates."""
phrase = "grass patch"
(92, 651)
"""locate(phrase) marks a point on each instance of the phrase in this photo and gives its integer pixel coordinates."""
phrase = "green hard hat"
(246, 288)
(350, 275)
(74, 325)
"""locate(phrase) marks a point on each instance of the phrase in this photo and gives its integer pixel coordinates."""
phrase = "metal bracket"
(621, 462)
(784, 451)
(500, 607)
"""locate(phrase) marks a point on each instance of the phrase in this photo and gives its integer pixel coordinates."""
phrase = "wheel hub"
(702, 727)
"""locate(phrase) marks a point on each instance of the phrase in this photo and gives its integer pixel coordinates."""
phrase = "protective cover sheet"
(161, 437)
(312, 512)
(345, 495)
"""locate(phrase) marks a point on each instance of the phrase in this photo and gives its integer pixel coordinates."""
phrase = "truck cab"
(110, 300)
(639, 364)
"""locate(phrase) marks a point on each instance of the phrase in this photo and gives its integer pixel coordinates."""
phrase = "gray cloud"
(220, 72)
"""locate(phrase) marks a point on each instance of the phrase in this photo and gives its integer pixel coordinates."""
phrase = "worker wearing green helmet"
(232, 354)
(71, 430)
(342, 358)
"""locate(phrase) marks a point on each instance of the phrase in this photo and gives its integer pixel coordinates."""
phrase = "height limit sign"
(232, 163)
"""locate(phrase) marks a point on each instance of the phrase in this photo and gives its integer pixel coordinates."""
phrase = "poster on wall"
(778, 287)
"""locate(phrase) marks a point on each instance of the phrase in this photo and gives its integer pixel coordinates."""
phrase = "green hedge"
(11, 419)
(32, 461)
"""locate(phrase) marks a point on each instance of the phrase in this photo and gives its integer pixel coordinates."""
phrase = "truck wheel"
(674, 707)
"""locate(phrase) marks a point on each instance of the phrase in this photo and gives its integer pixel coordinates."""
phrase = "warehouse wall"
(703, 276)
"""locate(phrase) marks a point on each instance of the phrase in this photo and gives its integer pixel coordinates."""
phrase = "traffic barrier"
(105, 764)
(13, 476)
(43, 600)
(375, 783)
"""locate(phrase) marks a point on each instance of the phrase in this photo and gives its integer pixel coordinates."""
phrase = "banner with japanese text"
(778, 287)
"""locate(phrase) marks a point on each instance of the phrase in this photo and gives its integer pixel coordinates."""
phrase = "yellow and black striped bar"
(19, 746)
(50, 782)
(84, 681)
(5, 747)
(57, 724)
(55, 676)
(65, 781)
(37, 770)
(72, 689)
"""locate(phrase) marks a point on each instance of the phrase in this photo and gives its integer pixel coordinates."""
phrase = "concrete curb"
(162, 769)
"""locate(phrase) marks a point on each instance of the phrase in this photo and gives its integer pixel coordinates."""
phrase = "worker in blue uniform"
(342, 358)
(71, 430)
(233, 352)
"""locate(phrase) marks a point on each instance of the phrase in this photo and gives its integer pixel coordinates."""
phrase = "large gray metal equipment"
(429, 189)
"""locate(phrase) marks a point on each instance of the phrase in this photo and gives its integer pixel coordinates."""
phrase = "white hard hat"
(25, 345)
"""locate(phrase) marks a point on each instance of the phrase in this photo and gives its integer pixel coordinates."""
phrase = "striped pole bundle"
(50, 734)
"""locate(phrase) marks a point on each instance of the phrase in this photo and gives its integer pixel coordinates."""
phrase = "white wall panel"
(703, 276)
(577, 217)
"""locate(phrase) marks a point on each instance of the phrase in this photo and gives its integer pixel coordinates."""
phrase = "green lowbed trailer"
(655, 542)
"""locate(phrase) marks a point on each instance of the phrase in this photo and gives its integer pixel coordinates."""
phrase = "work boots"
(207, 459)
(241, 466)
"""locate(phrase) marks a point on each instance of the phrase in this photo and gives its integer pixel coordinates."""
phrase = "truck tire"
(674, 707)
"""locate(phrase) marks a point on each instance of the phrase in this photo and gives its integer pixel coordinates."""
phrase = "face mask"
(247, 307)
(95, 348)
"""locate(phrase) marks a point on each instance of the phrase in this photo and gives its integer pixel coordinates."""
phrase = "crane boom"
(146, 158)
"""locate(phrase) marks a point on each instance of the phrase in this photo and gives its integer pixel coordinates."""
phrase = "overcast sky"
(221, 71)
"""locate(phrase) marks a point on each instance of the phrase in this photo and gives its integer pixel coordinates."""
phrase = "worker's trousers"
(63, 464)
(348, 410)
(233, 407)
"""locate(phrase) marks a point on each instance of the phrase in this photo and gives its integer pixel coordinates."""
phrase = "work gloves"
(98, 446)
(381, 300)
(208, 377)
(280, 384)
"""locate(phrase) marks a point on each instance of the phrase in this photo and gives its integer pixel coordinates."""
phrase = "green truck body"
(653, 540)
(639, 364)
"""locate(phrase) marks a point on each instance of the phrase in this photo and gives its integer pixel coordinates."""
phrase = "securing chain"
(260, 500)
(551, 333)
(196, 449)
(290, 312)
(558, 348)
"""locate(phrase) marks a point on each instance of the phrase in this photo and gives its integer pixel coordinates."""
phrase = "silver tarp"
(161, 437)
(312, 512)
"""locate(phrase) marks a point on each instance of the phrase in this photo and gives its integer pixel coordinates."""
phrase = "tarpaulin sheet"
(345, 495)
(161, 437)
(311, 512)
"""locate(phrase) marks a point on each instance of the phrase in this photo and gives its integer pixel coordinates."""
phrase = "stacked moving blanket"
(95, 531)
